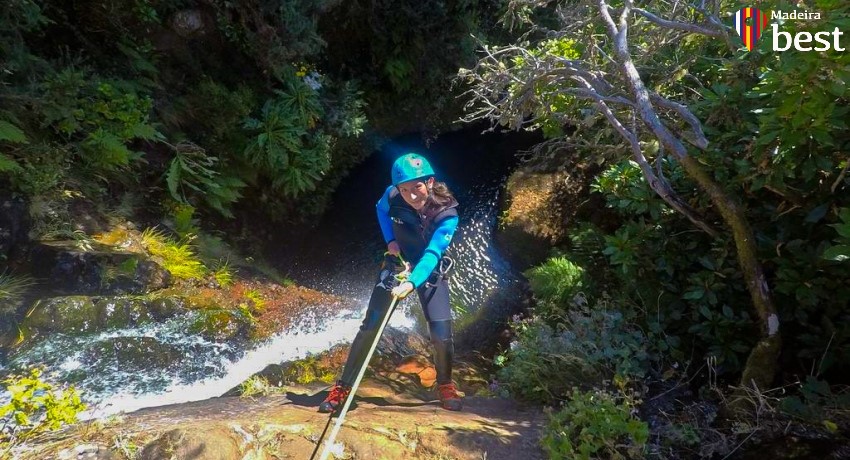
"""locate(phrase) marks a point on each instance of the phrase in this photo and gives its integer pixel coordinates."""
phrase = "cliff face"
(391, 419)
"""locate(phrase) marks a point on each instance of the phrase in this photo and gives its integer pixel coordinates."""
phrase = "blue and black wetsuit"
(422, 238)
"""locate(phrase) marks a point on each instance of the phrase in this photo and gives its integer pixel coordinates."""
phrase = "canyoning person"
(418, 217)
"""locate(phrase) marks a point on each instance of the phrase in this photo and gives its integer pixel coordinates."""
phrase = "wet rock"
(84, 314)
(70, 315)
(120, 312)
(91, 268)
(217, 443)
(87, 452)
(397, 344)
(188, 23)
(14, 226)
(134, 353)
(542, 198)
(219, 325)
(533, 221)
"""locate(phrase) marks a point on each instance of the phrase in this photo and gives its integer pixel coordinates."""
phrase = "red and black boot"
(335, 398)
(449, 397)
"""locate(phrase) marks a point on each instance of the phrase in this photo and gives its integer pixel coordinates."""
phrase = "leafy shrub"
(542, 364)
(626, 189)
(817, 402)
(840, 252)
(585, 346)
(284, 146)
(557, 281)
(104, 115)
(193, 173)
(35, 406)
(594, 425)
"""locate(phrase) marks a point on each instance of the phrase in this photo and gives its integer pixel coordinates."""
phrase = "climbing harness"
(443, 267)
(398, 278)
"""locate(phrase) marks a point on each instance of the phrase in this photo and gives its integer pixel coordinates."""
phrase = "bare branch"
(840, 177)
(698, 138)
(607, 19)
(676, 25)
(659, 185)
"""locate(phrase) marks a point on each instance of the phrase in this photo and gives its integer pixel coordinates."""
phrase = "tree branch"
(659, 185)
(676, 25)
(698, 138)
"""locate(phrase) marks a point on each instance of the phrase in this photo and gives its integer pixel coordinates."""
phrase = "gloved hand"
(403, 290)
(392, 248)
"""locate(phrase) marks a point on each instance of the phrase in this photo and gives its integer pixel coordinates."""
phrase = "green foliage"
(35, 406)
(11, 133)
(816, 402)
(257, 385)
(405, 52)
(103, 115)
(594, 425)
(841, 251)
(177, 257)
(256, 299)
(223, 275)
(213, 112)
(541, 365)
(345, 114)
(579, 347)
(558, 281)
(192, 174)
(185, 225)
(309, 370)
(626, 190)
(12, 290)
(285, 147)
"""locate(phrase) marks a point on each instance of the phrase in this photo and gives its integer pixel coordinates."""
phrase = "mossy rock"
(83, 314)
(542, 199)
(69, 315)
(220, 325)
(95, 269)
(533, 221)
(134, 353)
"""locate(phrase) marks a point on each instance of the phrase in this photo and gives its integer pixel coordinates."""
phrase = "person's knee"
(441, 334)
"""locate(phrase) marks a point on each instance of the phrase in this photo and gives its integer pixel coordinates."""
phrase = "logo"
(750, 24)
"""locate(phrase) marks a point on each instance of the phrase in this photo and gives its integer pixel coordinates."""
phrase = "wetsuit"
(422, 238)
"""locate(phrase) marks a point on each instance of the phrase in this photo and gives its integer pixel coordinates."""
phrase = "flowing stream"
(161, 363)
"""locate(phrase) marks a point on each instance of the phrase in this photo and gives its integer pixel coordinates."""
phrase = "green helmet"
(410, 166)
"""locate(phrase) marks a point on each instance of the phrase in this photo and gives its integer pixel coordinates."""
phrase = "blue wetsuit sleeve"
(434, 251)
(383, 209)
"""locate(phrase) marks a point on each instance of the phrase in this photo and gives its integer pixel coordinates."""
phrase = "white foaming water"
(308, 336)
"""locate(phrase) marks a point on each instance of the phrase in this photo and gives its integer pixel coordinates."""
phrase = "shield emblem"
(751, 32)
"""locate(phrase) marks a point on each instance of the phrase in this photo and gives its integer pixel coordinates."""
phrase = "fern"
(283, 148)
(177, 257)
(11, 133)
(8, 164)
(192, 172)
(106, 151)
(12, 290)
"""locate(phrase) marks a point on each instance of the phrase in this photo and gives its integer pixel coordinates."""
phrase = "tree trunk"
(762, 362)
